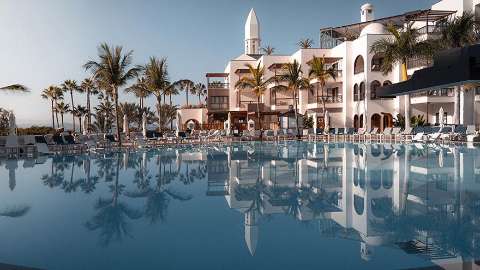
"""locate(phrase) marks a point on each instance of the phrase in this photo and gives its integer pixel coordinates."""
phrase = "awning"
(450, 68)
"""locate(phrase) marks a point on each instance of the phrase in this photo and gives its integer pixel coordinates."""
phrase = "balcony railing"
(218, 106)
(327, 99)
(419, 62)
(447, 92)
(430, 29)
(218, 85)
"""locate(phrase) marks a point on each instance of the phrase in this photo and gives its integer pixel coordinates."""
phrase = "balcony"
(218, 85)
(433, 96)
(330, 102)
(218, 106)
(446, 92)
(419, 63)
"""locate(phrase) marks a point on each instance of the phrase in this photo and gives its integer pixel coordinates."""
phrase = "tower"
(252, 34)
(367, 13)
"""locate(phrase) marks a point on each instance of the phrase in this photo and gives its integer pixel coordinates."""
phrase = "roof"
(450, 68)
(354, 29)
(216, 75)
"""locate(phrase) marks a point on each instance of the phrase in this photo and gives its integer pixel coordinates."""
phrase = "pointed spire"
(252, 26)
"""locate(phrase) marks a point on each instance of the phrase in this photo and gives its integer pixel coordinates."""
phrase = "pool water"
(290, 205)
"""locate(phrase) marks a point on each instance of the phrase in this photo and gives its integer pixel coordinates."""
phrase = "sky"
(45, 42)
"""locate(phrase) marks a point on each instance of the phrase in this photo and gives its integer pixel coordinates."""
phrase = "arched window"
(359, 65)
(373, 89)
(358, 204)
(376, 121)
(355, 121)
(387, 82)
(375, 179)
(362, 91)
(377, 62)
(355, 92)
(361, 121)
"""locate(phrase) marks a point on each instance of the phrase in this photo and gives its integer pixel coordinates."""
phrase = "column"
(456, 106)
(407, 111)
(467, 107)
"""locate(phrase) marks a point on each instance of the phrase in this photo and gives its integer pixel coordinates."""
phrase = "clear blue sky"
(45, 42)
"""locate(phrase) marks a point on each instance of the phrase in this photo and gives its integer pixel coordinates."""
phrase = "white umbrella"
(179, 122)
(125, 125)
(144, 124)
(327, 121)
(12, 125)
(85, 125)
(251, 125)
(191, 125)
(440, 117)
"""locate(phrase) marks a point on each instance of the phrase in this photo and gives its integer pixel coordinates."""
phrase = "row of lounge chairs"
(396, 134)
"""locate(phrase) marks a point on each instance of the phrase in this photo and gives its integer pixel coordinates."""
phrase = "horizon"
(48, 42)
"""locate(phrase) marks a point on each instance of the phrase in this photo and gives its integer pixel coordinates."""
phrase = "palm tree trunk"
(296, 112)
(324, 107)
(159, 105)
(186, 94)
(258, 113)
(199, 100)
(53, 116)
(170, 99)
(63, 126)
(89, 119)
(117, 115)
(56, 114)
(73, 108)
(80, 122)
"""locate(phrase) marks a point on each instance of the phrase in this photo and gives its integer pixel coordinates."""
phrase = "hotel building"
(351, 98)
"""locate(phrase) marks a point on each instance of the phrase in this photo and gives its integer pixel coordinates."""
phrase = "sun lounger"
(385, 134)
(359, 135)
(407, 134)
(372, 135)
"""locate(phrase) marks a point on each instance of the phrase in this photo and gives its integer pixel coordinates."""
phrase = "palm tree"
(80, 112)
(140, 90)
(113, 71)
(169, 113)
(15, 88)
(293, 76)
(53, 93)
(156, 74)
(459, 32)
(62, 109)
(71, 86)
(398, 49)
(103, 111)
(187, 86)
(321, 73)
(130, 110)
(256, 83)
(305, 43)
(200, 90)
(88, 86)
(269, 50)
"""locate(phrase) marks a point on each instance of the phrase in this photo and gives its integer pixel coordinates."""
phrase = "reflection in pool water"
(296, 205)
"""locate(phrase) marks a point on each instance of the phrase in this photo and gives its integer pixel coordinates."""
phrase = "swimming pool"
(290, 205)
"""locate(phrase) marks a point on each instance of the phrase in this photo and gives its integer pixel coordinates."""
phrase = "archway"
(362, 91)
(355, 92)
(387, 120)
(197, 124)
(377, 62)
(359, 65)
(376, 121)
(355, 121)
(373, 89)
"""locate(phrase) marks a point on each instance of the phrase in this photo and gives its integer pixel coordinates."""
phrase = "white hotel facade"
(351, 98)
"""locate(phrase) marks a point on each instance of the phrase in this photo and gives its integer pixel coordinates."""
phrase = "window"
(218, 102)
(355, 92)
(373, 89)
(362, 91)
(359, 65)
(377, 62)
